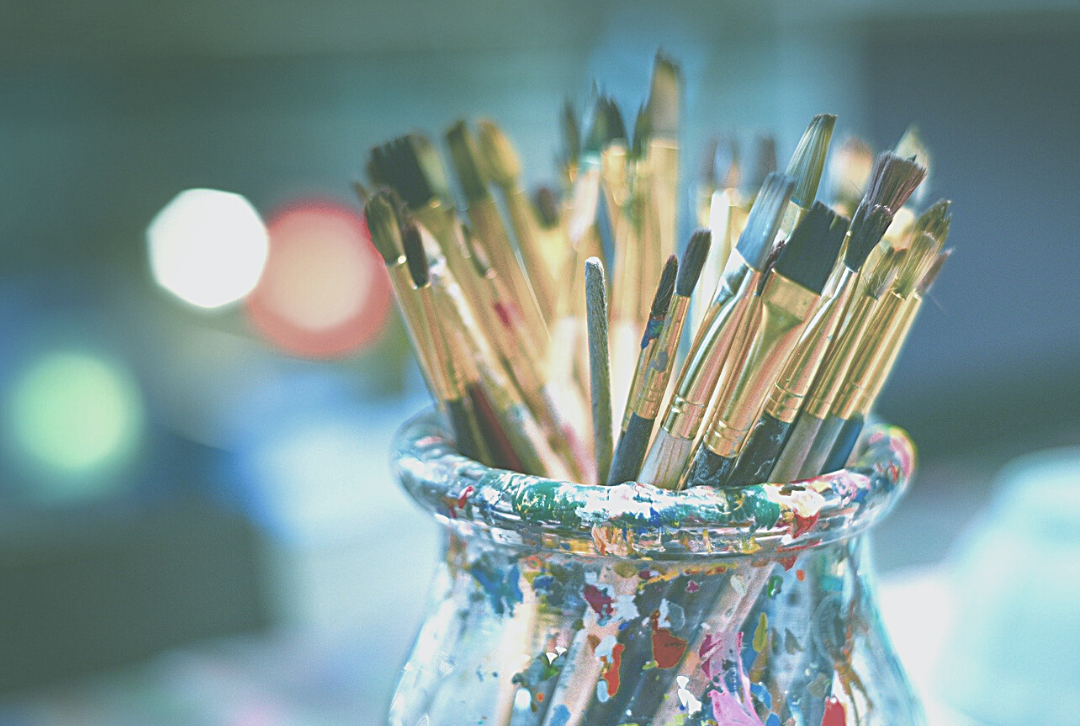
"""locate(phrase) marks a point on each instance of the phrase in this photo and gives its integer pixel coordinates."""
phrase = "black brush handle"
(630, 452)
(710, 469)
(845, 444)
(762, 449)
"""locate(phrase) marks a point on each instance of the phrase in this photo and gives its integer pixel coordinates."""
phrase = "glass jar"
(563, 604)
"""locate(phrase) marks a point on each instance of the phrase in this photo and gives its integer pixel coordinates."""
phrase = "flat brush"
(645, 401)
(488, 228)
(504, 169)
(770, 433)
(600, 376)
(445, 374)
(670, 452)
(781, 312)
(805, 168)
(662, 157)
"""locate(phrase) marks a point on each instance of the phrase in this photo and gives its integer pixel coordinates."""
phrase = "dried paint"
(501, 587)
(727, 710)
(761, 634)
(560, 715)
(692, 586)
(834, 713)
(609, 651)
(667, 648)
(774, 586)
(600, 601)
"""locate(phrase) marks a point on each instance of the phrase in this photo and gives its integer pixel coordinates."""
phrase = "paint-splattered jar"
(562, 604)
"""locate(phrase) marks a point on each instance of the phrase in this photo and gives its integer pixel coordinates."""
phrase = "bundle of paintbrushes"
(754, 357)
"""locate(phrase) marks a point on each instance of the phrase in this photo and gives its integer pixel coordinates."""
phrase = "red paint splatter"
(540, 697)
(802, 525)
(506, 313)
(692, 586)
(599, 601)
(834, 714)
(667, 649)
(789, 562)
(800, 574)
(610, 673)
(464, 498)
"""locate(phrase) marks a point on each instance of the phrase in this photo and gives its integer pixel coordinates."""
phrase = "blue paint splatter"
(560, 716)
(501, 587)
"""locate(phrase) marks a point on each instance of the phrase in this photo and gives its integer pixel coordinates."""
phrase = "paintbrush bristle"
(464, 154)
(571, 133)
(382, 223)
(613, 123)
(867, 229)
(397, 164)
(664, 97)
(810, 254)
(596, 137)
(893, 180)
(502, 161)
(414, 253)
(697, 250)
(808, 161)
(935, 221)
(664, 290)
(881, 274)
(430, 166)
(547, 207)
(642, 133)
(932, 274)
(756, 240)
(921, 253)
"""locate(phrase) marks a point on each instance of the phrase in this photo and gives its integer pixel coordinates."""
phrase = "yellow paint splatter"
(761, 634)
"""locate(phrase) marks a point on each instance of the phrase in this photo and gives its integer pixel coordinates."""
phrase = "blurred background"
(197, 521)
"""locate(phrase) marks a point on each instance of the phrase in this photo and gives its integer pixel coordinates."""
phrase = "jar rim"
(640, 521)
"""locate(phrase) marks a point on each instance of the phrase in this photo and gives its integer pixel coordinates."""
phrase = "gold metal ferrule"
(714, 340)
(838, 360)
(795, 380)
(663, 358)
(782, 311)
(880, 375)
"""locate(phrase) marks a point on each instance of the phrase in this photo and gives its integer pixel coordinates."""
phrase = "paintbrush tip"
(810, 254)
(756, 240)
(867, 228)
(613, 123)
(664, 97)
(464, 154)
(547, 207)
(383, 227)
(808, 161)
(414, 253)
(697, 250)
(642, 133)
(893, 180)
(662, 296)
(935, 221)
(503, 164)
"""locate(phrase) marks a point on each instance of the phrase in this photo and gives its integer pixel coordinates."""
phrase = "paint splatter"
(801, 525)
(560, 715)
(800, 574)
(501, 587)
(761, 634)
(692, 586)
(728, 711)
(464, 498)
(609, 651)
(775, 586)
(834, 713)
(600, 601)
(668, 649)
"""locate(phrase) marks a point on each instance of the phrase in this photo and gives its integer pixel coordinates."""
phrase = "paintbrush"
(446, 377)
(770, 433)
(670, 452)
(523, 362)
(488, 228)
(724, 217)
(887, 331)
(911, 146)
(781, 312)
(503, 167)
(554, 247)
(571, 142)
(662, 158)
(805, 167)
(648, 395)
(600, 375)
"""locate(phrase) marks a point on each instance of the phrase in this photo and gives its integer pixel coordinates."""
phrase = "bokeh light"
(324, 291)
(207, 247)
(77, 417)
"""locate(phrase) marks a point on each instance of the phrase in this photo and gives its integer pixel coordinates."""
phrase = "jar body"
(562, 604)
